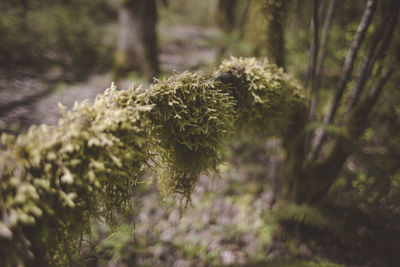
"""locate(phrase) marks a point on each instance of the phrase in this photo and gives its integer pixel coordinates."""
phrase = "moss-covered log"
(55, 179)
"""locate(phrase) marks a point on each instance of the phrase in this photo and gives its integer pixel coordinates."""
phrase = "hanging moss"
(191, 118)
(55, 179)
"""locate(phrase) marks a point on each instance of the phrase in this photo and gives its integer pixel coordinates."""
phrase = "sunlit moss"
(55, 179)
(266, 97)
(191, 117)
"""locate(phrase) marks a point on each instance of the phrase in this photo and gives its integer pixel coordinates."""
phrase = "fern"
(307, 215)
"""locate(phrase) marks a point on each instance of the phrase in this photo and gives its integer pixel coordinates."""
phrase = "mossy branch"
(55, 179)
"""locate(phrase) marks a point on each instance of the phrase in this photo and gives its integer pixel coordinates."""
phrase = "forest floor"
(28, 99)
(229, 221)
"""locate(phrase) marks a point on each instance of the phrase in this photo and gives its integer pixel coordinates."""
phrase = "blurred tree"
(39, 35)
(308, 176)
(225, 14)
(265, 27)
(137, 44)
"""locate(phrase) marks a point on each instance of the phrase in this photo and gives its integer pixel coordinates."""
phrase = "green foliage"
(308, 216)
(68, 35)
(191, 118)
(118, 246)
(266, 96)
(372, 175)
(55, 179)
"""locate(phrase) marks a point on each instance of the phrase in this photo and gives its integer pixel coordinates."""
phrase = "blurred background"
(64, 51)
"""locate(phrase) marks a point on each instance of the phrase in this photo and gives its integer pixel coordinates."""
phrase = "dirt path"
(28, 101)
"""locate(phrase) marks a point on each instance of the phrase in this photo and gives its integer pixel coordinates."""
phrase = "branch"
(321, 57)
(56, 179)
(341, 148)
(383, 35)
(346, 71)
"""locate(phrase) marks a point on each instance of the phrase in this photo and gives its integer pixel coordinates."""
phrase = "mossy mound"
(55, 179)
(191, 117)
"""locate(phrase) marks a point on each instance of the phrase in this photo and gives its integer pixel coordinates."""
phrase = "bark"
(137, 44)
(225, 14)
(345, 74)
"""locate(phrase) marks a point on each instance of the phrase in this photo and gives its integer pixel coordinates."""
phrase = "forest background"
(323, 191)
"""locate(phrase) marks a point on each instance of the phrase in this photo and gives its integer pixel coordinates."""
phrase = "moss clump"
(266, 97)
(55, 179)
(191, 117)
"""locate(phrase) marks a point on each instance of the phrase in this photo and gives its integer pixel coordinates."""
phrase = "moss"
(191, 118)
(266, 97)
(56, 178)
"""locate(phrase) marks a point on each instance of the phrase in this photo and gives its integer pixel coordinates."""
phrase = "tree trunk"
(265, 26)
(309, 179)
(137, 44)
(321, 57)
(225, 14)
(345, 75)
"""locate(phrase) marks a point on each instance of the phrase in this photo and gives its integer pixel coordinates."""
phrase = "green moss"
(266, 97)
(191, 118)
(56, 178)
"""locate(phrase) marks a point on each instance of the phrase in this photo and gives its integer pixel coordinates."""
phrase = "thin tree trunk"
(311, 182)
(275, 48)
(265, 27)
(382, 38)
(137, 44)
(346, 72)
(321, 56)
(355, 126)
(313, 57)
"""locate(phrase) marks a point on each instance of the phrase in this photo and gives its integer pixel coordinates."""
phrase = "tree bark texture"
(137, 44)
